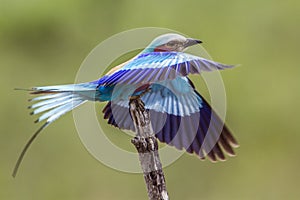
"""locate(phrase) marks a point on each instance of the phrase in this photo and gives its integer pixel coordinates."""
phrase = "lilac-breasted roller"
(180, 116)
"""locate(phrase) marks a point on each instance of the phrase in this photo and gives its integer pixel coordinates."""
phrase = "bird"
(180, 115)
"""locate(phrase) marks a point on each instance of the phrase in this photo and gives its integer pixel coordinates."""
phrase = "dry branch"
(147, 147)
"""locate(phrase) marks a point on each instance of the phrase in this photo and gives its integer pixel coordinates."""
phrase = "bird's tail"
(53, 102)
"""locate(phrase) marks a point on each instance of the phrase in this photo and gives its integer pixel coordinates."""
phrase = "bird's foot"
(138, 96)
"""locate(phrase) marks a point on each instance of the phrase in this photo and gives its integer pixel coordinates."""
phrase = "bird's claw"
(138, 96)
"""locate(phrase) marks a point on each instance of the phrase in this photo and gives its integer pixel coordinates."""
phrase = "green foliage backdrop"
(44, 42)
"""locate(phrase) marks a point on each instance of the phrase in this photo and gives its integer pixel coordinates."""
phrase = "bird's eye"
(171, 44)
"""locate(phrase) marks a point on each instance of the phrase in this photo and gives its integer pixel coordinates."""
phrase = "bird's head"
(171, 42)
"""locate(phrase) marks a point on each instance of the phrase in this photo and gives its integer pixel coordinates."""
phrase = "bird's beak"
(191, 42)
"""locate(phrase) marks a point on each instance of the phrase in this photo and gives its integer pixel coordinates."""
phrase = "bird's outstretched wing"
(184, 120)
(160, 66)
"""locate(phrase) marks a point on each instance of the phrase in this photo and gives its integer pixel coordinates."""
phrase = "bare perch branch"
(147, 147)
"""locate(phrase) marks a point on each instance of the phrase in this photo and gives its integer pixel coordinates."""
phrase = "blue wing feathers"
(177, 124)
(161, 66)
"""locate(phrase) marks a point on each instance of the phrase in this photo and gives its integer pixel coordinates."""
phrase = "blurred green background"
(44, 42)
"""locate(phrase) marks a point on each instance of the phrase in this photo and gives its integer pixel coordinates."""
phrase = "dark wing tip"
(225, 144)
